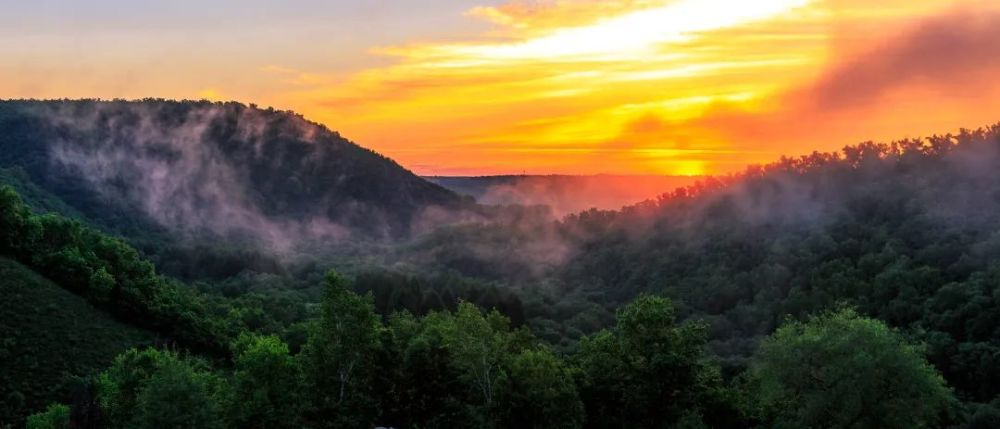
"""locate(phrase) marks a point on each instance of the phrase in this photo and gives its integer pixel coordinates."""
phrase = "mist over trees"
(202, 169)
(843, 290)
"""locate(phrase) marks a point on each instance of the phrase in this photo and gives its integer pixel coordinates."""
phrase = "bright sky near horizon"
(460, 87)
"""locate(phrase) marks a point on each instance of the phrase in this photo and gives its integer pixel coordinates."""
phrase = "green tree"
(478, 345)
(55, 417)
(647, 371)
(18, 226)
(422, 387)
(179, 396)
(842, 370)
(266, 389)
(337, 360)
(603, 380)
(119, 386)
(157, 389)
(447, 369)
(538, 392)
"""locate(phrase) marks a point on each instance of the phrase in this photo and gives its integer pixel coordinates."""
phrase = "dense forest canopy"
(844, 290)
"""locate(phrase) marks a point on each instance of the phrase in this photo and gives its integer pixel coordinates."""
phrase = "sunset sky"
(450, 87)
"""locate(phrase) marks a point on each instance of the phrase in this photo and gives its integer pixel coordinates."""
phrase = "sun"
(688, 168)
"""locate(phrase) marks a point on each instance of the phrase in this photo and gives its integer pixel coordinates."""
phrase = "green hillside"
(878, 265)
(199, 169)
(47, 336)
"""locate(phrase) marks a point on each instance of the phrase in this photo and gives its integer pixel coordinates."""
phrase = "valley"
(172, 225)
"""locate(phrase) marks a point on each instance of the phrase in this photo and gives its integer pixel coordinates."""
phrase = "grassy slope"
(47, 336)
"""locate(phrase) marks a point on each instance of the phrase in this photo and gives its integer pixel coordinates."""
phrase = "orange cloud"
(931, 76)
(536, 16)
(949, 52)
(672, 87)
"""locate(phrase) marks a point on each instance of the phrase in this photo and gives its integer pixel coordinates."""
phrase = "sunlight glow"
(607, 86)
(688, 168)
(633, 34)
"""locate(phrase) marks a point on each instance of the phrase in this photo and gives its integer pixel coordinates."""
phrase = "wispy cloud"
(664, 86)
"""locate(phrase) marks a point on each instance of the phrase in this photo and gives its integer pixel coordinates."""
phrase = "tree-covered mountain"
(202, 169)
(858, 289)
(905, 232)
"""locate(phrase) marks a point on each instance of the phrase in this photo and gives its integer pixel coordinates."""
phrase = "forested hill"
(210, 169)
(906, 232)
(858, 289)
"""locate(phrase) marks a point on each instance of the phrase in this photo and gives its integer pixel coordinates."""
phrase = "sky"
(478, 87)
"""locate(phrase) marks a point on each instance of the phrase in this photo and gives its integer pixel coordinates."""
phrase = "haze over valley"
(508, 214)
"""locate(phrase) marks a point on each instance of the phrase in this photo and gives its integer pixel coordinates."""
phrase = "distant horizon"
(556, 175)
(467, 171)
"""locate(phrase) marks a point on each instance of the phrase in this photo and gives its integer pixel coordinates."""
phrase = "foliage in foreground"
(48, 336)
(461, 368)
(843, 370)
(469, 368)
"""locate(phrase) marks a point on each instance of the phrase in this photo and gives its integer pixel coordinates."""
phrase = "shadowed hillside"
(201, 169)
(49, 336)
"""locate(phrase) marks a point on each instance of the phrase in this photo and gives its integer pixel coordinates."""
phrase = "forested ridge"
(203, 170)
(905, 232)
(858, 289)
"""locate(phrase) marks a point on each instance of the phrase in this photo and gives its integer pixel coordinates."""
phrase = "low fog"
(224, 170)
(565, 194)
(210, 171)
